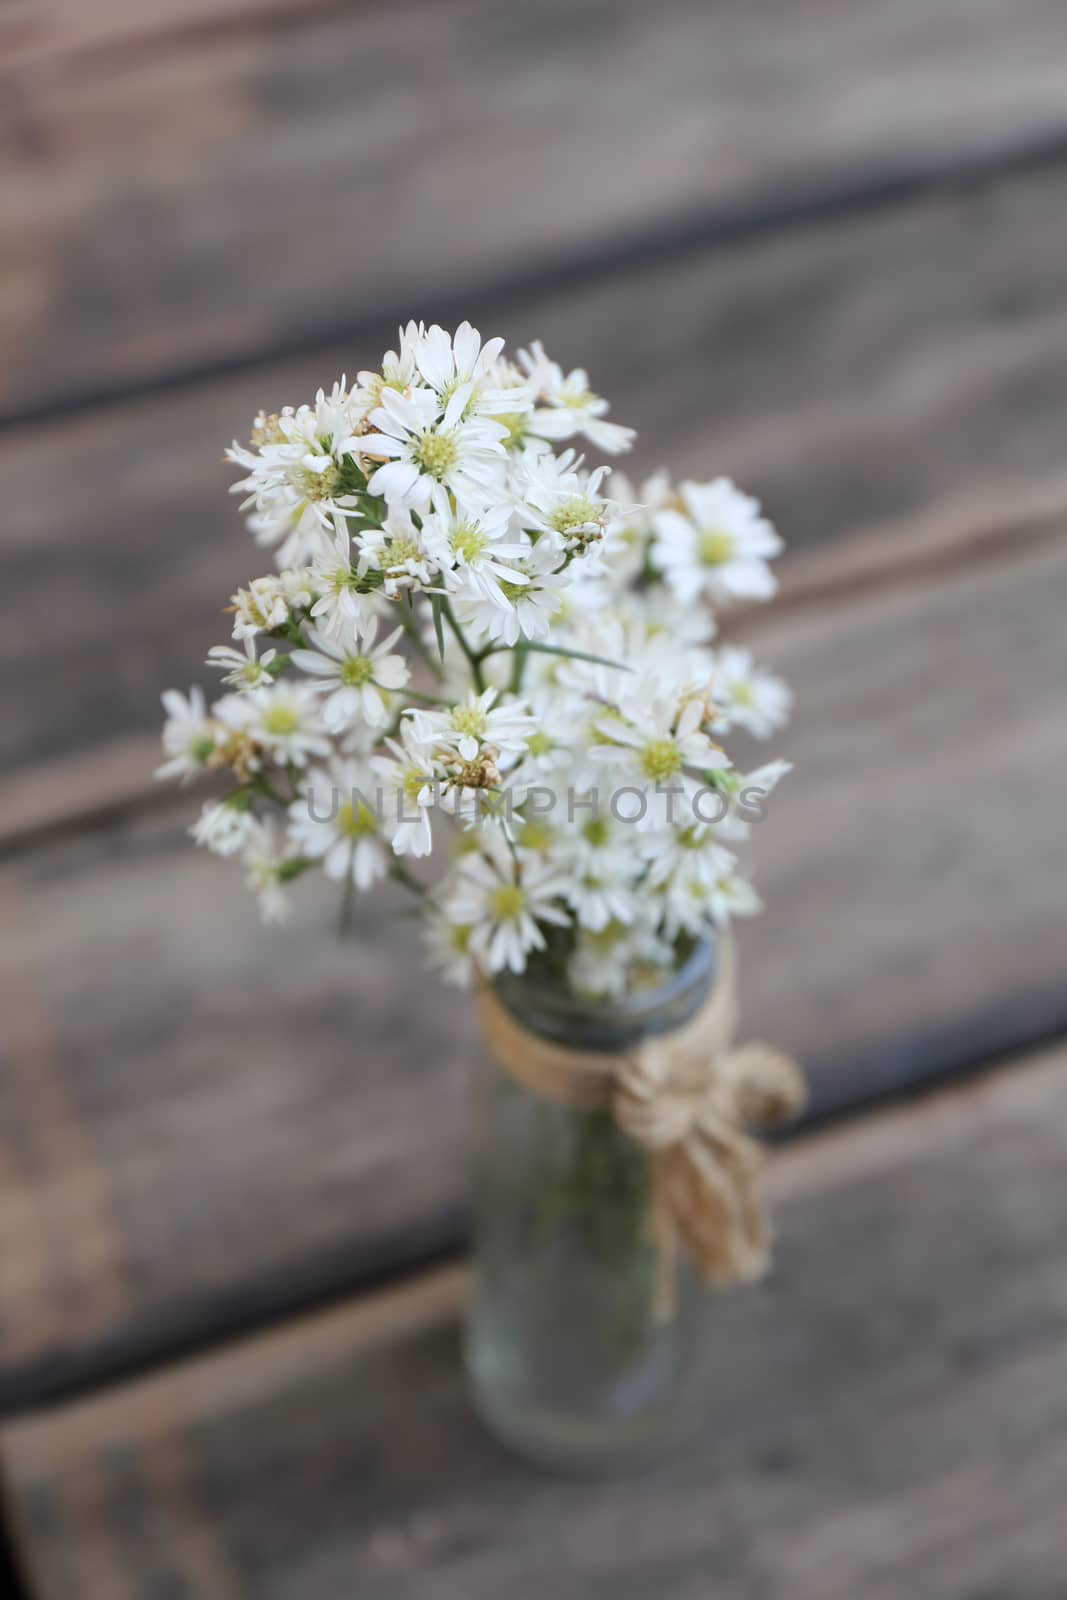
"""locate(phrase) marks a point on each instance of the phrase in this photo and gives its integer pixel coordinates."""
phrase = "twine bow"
(686, 1097)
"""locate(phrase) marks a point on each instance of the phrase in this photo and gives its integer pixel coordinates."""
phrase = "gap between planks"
(242, 1369)
(102, 786)
(725, 225)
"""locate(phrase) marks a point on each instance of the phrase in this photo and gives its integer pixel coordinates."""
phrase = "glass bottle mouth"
(609, 1024)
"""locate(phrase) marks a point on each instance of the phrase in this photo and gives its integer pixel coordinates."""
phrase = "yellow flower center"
(595, 831)
(356, 821)
(469, 719)
(356, 671)
(467, 541)
(412, 784)
(715, 548)
(515, 423)
(436, 453)
(320, 485)
(535, 835)
(507, 902)
(660, 759)
(399, 550)
(575, 512)
(281, 720)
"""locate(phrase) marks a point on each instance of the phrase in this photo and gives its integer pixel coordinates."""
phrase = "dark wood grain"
(202, 1122)
(887, 1421)
(888, 368)
(192, 185)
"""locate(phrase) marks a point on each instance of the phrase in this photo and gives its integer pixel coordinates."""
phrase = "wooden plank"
(202, 1121)
(885, 1422)
(851, 376)
(188, 188)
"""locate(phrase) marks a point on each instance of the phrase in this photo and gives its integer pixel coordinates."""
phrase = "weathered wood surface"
(890, 1417)
(201, 1120)
(188, 186)
(886, 367)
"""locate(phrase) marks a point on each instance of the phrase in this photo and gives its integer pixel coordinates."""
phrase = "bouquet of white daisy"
(472, 642)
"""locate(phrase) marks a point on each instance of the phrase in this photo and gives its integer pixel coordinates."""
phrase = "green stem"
(400, 874)
(409, 623)
(426, 699)
(344, 918)
(474, 658)
(265, 787)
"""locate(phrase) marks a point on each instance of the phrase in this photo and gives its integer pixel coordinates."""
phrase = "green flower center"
(357, 671)
(281, 720)
(595, 831)
(576, 511)
(715, 548)
(515, 423)
(201, 750)
(400, 550)
(507, 902)
(660, 759)
(467, 541)
(320, 485)
(512, 591)
(412, 784)
(535, 835)
(436, 453)
(356, 821)
(538, 744)
(459, 937)
(469, 719)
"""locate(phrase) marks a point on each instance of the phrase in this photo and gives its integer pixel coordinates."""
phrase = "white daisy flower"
(270, 602)
(410, 785)
(628, 536)
(188, 735)
(399, 551)
(397, 372)
(601, 881)
(746, 795)
(530, 601)
(503, 915)
(222, 828)
(333, 577)
(566, 406)
(476, 552)
(747, 697)
(655, 746)
(475, 722)
(296, 474)
(243, 669)
(264, 865)
(688, 853)
(448, 946)
(603, 963)
(718, 545)
(423, 451)
(336, 820)
(284, 720)
(462, 365)
(732, 896)
(351, 671)
(555, 497)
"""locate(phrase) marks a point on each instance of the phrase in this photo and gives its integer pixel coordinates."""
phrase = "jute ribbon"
(687, 1097)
